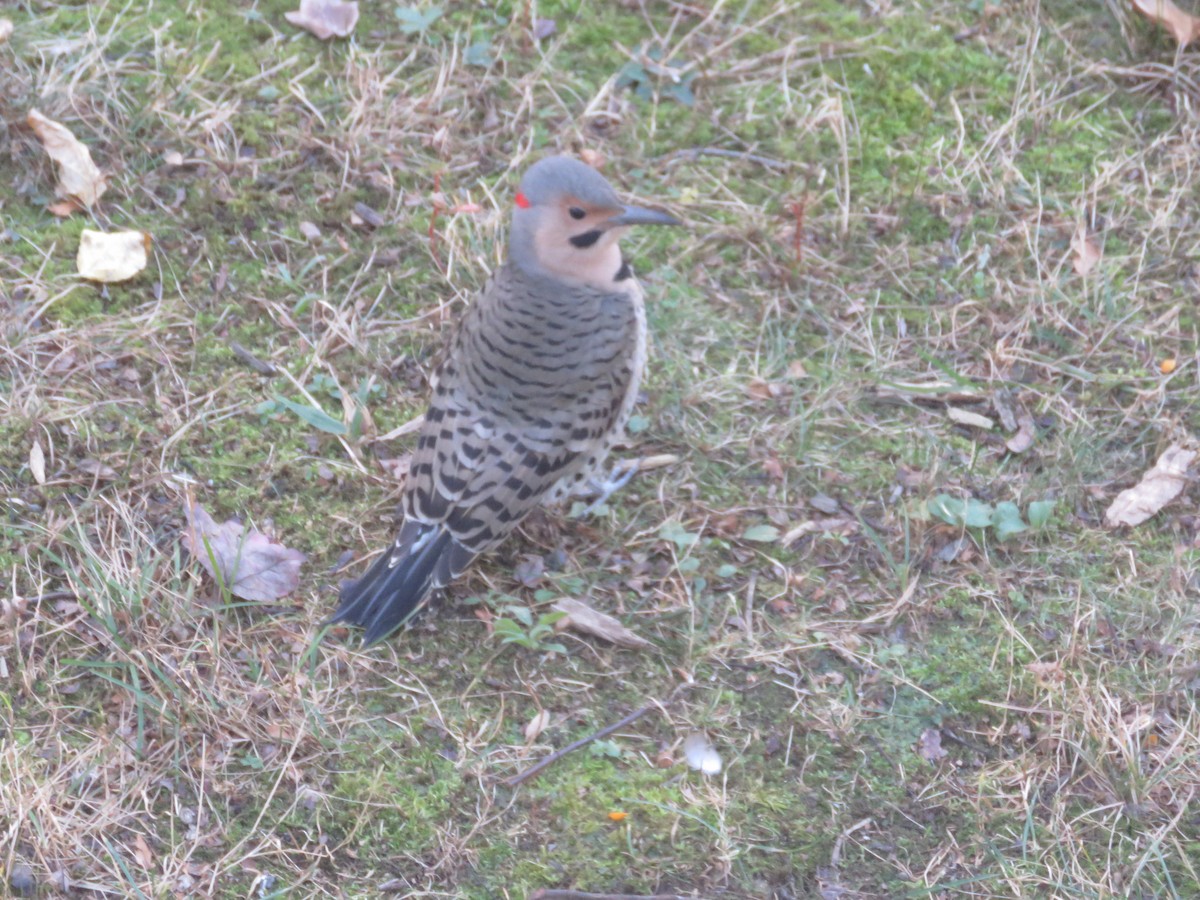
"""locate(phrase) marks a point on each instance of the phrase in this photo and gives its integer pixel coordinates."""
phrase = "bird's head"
(567, 220)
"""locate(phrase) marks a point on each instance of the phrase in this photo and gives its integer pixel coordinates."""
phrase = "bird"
(536, 387)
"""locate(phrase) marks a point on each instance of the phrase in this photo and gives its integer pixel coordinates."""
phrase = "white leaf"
(966, 417)
(37, 462)
(537, 725)
(1158, 487)
(112, 256)
(701, 755)
(325, 18)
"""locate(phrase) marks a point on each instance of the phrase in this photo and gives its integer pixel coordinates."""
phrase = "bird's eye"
(577, 213)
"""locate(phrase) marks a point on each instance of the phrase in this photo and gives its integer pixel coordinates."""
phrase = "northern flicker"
(537, 386)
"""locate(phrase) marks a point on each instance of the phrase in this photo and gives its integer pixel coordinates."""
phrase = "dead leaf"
(761, 389)
(1050, 672)
(325, 18)
(37, 463)
(142, 852)
(537, 725)
(583, 618)
(78, 176)
(929, 747)
(796, 369)
(64, 208)
(6, 29)
(309, 231)
(1003, 404)
(966, 417)
(1023, 439)
(773, 468)
(1183, 26)
(252, 565)
(1168, 365)
(593, 158)
(1158, 487)
(544, 28)
(97, 470)
(111, 257)
(1086, 250)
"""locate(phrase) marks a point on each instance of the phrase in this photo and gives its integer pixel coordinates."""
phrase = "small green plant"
(521, 629)
(1004, 519)
(415, 21)
(319, 419)
(645, 74)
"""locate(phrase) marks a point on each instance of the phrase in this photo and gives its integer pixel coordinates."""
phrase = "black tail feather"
(386, 596)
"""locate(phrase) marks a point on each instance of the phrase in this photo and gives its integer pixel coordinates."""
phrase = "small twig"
(582, 742)
(603, 732)
(262, 368)
(433, 217)
(798, 208)
(413, 424)
(550, 894)
(696, 152)
(51, 596)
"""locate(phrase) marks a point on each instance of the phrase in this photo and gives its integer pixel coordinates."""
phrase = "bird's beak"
(639, 215)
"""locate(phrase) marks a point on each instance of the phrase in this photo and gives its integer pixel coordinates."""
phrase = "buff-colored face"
(568, 221)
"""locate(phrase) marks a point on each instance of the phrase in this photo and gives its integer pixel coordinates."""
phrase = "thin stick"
(695, 153)
(548, 894)
(558, 754)
(262, 368)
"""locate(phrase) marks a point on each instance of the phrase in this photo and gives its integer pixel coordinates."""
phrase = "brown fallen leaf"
(1049, 672)
(1184, 27)
(1086, 250)
(97, 470)
(537, 725)
(252, 565)
(930, 746)
(64, 209)
(78, 176)
(583, 618)
(325, 18)
(1026, 432)
(142, 852)
(112, 256)
(1158, 487)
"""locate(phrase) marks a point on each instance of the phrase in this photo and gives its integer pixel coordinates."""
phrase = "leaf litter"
(78, 177)
(251, 564)
(1158, 487)
(582, 618)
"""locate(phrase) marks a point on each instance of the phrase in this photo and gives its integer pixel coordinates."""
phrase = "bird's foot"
(618, 476)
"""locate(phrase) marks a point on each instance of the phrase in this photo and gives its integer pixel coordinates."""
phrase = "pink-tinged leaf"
(1184, 27)
(1086, 250)
(252, 565)
(325, 18)
(543, 28)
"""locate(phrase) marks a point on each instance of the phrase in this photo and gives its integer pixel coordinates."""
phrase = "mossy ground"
(881, 203)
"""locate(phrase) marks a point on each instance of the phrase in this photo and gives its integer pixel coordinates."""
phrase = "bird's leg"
(618, 476)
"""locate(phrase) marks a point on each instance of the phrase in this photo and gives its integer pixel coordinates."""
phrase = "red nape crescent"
(521, 200)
